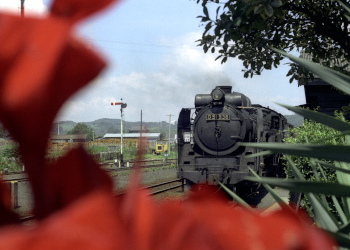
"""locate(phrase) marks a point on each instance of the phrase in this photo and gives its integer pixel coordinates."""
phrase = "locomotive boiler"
(210, 135)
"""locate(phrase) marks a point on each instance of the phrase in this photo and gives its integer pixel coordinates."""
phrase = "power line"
(143, 44)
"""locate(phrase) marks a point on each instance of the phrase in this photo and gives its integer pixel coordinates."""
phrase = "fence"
(106, 156)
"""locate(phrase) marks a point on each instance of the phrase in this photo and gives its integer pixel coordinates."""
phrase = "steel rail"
(32, 217)
(162, 184)
(166, 189)
(158, 185)
(24, 179)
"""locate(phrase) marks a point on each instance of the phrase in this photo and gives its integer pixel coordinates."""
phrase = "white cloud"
(173, 84)
(170, 85)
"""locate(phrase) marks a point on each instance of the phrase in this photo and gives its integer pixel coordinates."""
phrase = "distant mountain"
(106, 125)
(295, 120)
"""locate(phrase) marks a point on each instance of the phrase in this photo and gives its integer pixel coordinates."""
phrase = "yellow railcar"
(161, 146)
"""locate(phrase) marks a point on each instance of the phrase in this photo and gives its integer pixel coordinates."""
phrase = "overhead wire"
(180, 47)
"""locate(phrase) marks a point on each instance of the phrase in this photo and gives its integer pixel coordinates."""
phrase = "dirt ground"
(148, 177)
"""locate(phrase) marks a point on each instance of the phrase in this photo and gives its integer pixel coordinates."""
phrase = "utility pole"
(141, 127)
(170, 115)
(22, 8)
(122, 106)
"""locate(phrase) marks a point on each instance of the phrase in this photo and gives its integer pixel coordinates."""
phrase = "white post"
(122, 106)
(169, 134)
(121, 137)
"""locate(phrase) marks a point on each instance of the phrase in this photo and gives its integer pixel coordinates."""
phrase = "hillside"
(295, 120)
(105, 125)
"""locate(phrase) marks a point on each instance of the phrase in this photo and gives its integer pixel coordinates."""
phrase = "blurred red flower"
(204, 221)
(74, 201)
(42, 65)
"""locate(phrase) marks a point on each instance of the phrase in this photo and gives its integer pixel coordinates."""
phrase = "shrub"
(316, 133)
(328, 148)
(10, 160)
(10, 151)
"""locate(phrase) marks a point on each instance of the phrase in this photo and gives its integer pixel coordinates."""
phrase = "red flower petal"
(70, 178)
(91, 223)
(207, 221)
(203, 222)
(36, 78)
(32, 88)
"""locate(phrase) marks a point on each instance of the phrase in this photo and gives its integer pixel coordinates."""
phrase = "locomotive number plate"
(218, 117)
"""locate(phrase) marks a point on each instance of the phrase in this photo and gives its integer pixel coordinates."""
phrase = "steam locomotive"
(209, 138)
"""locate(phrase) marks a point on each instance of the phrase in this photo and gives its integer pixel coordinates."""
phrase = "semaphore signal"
(123, 105)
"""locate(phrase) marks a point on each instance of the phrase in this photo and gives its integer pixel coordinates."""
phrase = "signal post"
(123, 105)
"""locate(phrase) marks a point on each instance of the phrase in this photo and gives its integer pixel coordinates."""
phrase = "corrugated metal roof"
(132, 135)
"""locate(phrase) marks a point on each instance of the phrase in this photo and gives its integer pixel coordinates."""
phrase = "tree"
(10, 151)
(248, 29)
(162, 136)
(82, 128)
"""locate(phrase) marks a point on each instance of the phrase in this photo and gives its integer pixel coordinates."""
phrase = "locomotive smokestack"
(226, 89)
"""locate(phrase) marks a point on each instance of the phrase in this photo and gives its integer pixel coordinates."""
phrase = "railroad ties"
(163, 187)
(21, 196)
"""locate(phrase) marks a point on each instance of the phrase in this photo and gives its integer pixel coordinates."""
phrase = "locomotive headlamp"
(217, 94)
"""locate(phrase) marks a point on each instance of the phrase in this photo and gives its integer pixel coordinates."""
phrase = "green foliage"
(325, 151)
(82, 128)
(295, 120)
(10, 151)
(94, 149)
(130, 153)
(162, 136)
(250, 29)
(316, 133)
(320, 146)
(10, 165)
(10, 160)
(53, 155)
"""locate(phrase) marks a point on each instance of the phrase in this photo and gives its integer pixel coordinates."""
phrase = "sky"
(155, 65)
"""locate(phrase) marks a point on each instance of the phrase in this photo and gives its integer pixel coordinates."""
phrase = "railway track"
(21, 197)
(109, 167)
(165, 186)
(143, 163)
(267, 205)
(162, 187)
(155, 189)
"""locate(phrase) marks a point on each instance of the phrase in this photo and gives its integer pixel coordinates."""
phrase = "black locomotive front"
(210, 134)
